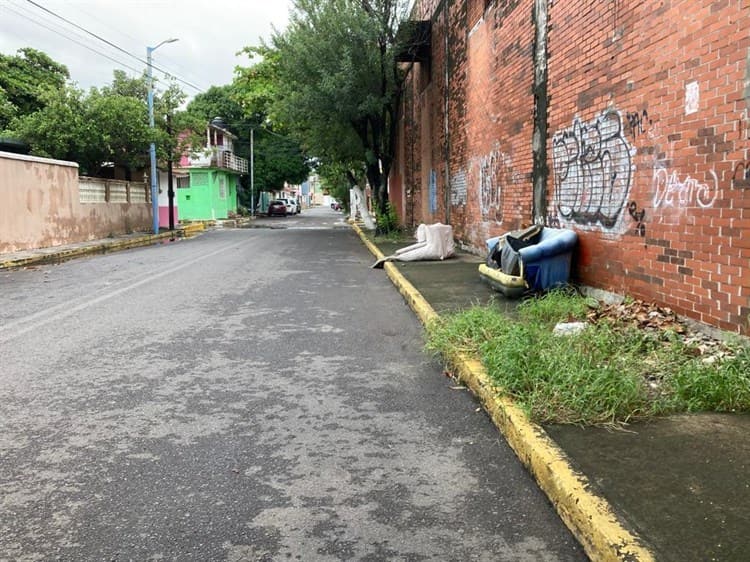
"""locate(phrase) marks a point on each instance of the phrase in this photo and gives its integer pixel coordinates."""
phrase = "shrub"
(387, 222)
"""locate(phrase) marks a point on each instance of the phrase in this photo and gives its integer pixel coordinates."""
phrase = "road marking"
(51, 314)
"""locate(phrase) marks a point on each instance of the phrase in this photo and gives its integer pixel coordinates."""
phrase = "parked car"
(277, 208)
(292, 207)
(335, 205)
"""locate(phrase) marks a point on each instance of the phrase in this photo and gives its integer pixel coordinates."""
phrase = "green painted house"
(211, 192)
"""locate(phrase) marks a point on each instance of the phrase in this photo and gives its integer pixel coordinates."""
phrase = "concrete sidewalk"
(675, 489)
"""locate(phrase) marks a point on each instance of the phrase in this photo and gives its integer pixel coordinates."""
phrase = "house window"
(222, 188)
(183, 182)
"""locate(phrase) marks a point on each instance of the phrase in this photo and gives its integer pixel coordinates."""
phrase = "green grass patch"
(608, 374)
(394, 237)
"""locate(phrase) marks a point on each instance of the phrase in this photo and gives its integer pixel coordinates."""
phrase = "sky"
(209, 34)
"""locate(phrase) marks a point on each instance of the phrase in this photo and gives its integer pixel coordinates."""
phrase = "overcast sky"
(209, 34)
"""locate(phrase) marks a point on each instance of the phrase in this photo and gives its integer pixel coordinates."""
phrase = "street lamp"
(152, 148)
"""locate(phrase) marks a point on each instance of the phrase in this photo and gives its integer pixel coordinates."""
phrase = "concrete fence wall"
(44, 203)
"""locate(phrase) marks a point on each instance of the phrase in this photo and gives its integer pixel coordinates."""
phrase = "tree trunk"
(358, 205)
(378, 183)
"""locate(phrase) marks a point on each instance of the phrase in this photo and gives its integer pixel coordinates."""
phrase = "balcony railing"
(219, 158)
(233, 162)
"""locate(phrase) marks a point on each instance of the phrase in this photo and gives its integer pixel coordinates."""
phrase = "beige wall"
(40, 206)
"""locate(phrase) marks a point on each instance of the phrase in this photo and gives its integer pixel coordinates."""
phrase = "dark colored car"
(277, 208)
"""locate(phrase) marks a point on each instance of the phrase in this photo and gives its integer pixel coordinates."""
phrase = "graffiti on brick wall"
(495, 174)
(639, 218)
(432, 191)
(742, 171)
(593, 165)
(671, 191)
(552, 220)
(637, 122)
(458, 189)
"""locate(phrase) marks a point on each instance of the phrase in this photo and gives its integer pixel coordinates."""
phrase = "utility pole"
(252, 173)
(152, 147)
(170, 187)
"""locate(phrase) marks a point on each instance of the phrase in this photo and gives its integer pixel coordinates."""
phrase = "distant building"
(210, 189)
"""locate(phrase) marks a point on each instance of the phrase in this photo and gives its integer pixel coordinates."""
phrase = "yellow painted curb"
(70, 253)
(589, 517)
(192, 228)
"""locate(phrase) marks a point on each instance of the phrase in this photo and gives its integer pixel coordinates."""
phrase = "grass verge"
(608, 374)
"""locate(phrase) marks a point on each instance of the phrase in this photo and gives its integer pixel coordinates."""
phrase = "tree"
(117, 132)
(337, 178)
(277, 158)
(279, 155)
(26, 82)
(106, 126)
(56, 130)
(339, 86)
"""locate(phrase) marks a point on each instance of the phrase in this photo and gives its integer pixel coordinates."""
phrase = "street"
(248, 394)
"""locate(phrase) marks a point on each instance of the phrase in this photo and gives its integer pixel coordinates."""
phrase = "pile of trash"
(653, 318)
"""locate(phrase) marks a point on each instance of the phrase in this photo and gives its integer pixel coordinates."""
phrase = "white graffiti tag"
(669, 191)
(495, 173)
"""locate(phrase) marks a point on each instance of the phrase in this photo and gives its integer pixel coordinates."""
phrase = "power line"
(181, 70)
(40, 24)
(198, 88)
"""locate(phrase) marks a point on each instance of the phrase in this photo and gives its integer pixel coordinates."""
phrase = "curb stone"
(589, 517)
(64, 254)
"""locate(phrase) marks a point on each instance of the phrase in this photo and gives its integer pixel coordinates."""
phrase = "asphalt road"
(249, 394)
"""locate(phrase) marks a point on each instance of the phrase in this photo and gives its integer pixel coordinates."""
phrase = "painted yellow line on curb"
(70, 253)
(589, 517)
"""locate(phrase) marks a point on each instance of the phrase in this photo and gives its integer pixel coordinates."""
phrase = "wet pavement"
(680, 484)
(217, 399)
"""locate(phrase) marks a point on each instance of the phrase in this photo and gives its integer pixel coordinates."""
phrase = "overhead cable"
(198, 88)
(40, 24)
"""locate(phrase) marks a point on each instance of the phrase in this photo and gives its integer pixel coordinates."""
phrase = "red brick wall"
(648, 140)
(656, 92)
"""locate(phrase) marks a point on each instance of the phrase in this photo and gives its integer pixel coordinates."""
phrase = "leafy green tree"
(277, 158)
(7, 110)
(124, 85)
(56, 130)
(339, 85)
(279, 155)
(107, 125)
(26, 82)
(218, 101)
(337, 177)
(117, 131)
